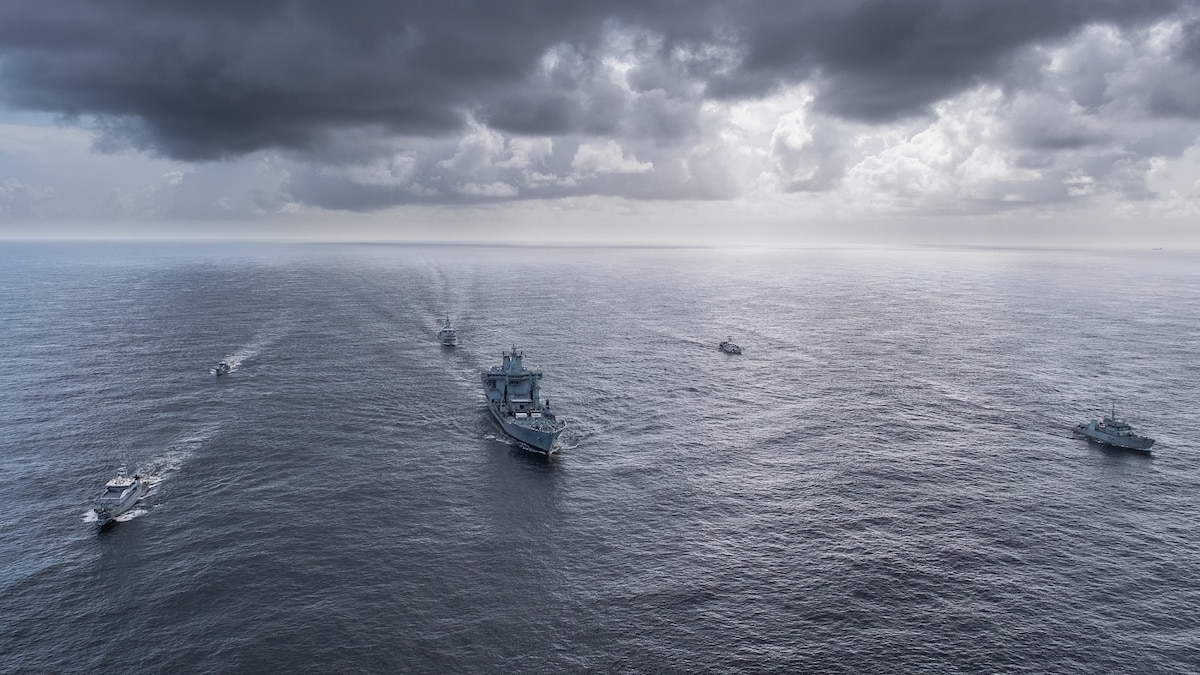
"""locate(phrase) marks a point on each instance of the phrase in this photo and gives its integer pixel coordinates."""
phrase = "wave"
(271, 333)
(90, 516)
(178, 452)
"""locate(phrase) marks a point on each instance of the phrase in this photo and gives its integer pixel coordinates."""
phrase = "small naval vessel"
(120, 494)
(1116, 432)
(728, 347)
(222, 368)
(448, 336)
(514, 399)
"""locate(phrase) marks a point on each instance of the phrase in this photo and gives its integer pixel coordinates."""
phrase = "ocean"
(886, 481)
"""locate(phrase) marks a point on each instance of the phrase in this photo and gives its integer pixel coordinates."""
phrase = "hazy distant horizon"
(250, 235)
(514, 243)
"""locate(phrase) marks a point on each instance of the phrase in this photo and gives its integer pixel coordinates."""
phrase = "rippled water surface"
(885, 481)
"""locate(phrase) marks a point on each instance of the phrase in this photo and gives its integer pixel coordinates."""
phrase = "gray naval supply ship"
(1116, 432)
(514, 397)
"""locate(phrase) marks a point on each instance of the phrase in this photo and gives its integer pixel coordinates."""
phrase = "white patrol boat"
(120, 494)
(514, 399)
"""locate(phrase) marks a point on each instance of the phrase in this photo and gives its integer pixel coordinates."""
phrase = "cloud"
(606, 157)
(921, 105)
(23, 200)
(491, 190)
(204, 81)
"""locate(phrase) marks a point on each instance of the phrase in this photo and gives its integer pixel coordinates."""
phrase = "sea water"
(885, 481)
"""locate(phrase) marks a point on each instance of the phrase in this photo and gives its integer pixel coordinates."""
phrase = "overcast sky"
(1014, 121)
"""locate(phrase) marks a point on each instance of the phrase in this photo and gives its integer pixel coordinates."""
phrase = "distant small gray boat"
(448, 336)
(514, 399)
(222, 368)
(1115, 432)
(728, 347)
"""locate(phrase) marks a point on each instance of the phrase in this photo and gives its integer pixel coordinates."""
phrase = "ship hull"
(1140, 443)
(538, 441)
(106, 516)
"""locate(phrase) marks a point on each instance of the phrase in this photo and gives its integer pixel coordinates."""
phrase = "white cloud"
(606, 158)
(951, 161)
(395, 171)
(1080, 184)
(477, 151)
(23, 200)
(796, 158)
(526, 153)
(493, 190)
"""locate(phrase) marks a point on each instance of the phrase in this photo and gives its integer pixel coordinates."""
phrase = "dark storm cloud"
(885, 59)
(208, 80)
(1190, 49)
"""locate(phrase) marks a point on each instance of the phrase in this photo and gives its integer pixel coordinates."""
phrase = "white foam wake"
(266, 336)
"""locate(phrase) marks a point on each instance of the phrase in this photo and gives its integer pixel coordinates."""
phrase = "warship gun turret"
(514, 399)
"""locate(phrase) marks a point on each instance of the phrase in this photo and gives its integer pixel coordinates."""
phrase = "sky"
(1057, 122)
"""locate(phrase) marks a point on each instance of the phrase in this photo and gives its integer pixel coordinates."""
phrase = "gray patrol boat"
(1116, 432)
(448, 336)
(514, 398)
